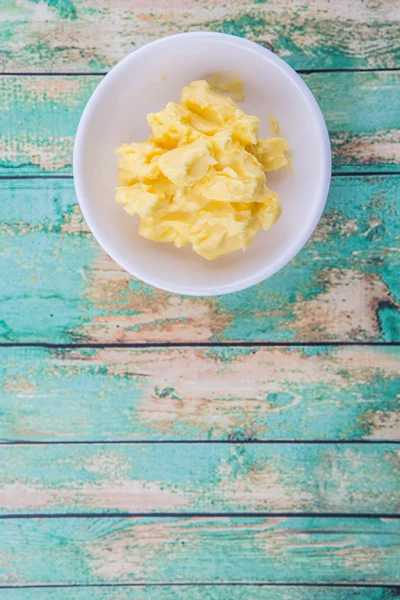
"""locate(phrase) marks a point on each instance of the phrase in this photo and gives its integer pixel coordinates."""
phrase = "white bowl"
(144, 82)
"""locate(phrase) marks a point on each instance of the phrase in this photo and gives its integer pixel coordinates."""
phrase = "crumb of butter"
(199, 178)
(275, 124)
(230, 85)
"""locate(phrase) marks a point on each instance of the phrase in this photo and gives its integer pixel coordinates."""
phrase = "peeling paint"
(193, 393)
(186, 318)
(88, 36)
(350, 297)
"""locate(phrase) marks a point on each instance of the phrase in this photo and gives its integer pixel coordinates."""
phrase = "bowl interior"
(145, 81)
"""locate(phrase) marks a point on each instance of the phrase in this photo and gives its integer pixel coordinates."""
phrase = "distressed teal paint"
(228, 355)
(32, 241)
(223, 478)
(351, 102)
(50, 266)
(130, 550)
(77, 395)
(389, 319)
(45, 290)
(308, 35)
(65, 9)
(362, 201)
(247, 24)
(32, 244)
(29, 119)
(45, 204)
(373, 92)
(202, 592)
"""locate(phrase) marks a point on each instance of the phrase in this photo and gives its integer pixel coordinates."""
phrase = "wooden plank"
(39, 116)
(343, 286)
(211, 478)
(202, 592)
(81, 35)
(194, 550)
(310, 393)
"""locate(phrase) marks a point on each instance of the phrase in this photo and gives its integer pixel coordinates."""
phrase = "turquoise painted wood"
(58, 287)
(200, 478)
(83, 36)
(309, 393)
(202, 592)
(39, 116)
(208, 550)
(343, 286)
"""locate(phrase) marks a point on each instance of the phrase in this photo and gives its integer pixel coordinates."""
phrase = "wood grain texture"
(343, 286)
(58, 287)
(39, 117)
(310, 393)
(199, 478)
(202, 592)
(89, 35)
(193, 550)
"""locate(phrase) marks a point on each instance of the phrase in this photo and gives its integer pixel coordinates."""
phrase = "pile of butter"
(200, 176)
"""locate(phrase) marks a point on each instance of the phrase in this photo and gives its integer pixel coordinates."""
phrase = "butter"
(275, 124)
(271, 153)
(200, 177)
(186, 165)
(230, 85)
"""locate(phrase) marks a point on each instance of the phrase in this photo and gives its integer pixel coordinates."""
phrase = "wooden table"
(159, 447)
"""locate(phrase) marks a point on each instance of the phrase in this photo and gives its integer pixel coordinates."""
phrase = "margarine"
(200, 177)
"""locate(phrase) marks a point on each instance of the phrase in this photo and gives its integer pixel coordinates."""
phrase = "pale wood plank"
(208, 478)
(149, 550)
(89, 35)
(320, 393)
(343, 286)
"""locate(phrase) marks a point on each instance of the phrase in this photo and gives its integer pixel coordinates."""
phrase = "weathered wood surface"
(82, 35)
(211, 478)
(39, 116)
(194, 550)
(202, 592)
(58, 286)
(310, 393)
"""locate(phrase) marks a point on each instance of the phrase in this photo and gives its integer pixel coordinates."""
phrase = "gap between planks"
(201, 515)
(195, 441)
(104, 73)
(233, 344)
(333, 174)
(206, 584)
